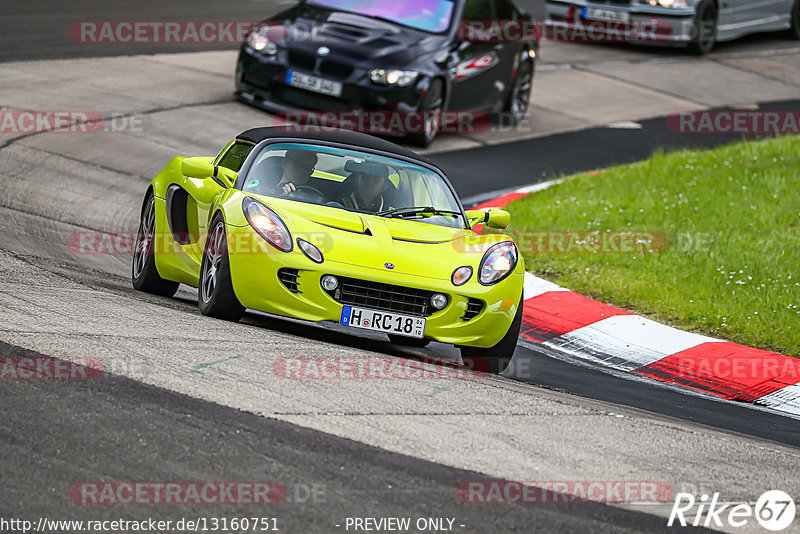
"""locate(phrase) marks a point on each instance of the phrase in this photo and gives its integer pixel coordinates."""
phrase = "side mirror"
(202, 169)
(493, 218)
(197, 168)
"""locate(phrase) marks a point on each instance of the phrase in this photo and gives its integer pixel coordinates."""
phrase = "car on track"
(698, 24)
(407, 57)
(335, 226)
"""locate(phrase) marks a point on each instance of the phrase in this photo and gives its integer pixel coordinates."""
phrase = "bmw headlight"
(498, 262)
(267, 224)
(259, 41)
(393, 77)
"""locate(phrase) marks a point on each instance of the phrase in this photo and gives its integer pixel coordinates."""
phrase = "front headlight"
(498, 262)
(259, 41)
(312, 253)
(267, 224)
(397, 78)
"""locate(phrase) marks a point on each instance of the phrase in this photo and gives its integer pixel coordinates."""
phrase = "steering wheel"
(308, 192)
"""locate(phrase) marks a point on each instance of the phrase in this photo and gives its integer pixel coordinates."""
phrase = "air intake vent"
(474, 307)
(289, 278)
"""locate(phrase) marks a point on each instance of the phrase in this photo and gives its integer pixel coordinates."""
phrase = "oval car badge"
(323, 51)
(389, 265)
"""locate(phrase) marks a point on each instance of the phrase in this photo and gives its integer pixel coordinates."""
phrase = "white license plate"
(391, 323)
(611, 15)
(312, 83)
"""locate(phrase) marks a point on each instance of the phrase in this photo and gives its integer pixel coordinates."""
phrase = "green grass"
(733, 218)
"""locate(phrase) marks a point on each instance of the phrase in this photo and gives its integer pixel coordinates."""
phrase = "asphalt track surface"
(183, 438)
(36, 30)
(118, 428)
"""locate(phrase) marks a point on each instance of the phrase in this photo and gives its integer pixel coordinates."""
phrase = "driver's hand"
(288, 188)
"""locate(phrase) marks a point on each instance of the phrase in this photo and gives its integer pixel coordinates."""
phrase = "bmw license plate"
(390, 323)
(610, 15)
(313, 83)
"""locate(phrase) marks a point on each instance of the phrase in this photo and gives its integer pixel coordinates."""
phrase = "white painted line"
(784, 400)
(626, 342)
(535, 286)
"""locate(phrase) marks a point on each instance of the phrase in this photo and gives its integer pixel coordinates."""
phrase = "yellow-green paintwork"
(424, 257)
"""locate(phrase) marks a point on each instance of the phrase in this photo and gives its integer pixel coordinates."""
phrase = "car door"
(477, 64)
(189, 202)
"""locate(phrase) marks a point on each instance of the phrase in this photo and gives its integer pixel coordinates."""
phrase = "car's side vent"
(474, 307)
(289, 278)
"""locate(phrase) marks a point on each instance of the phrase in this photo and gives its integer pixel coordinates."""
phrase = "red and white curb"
(562, 323)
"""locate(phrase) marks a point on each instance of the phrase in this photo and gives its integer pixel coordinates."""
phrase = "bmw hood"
(351, 37)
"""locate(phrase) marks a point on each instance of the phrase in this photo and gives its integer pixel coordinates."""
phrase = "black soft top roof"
(256, 135)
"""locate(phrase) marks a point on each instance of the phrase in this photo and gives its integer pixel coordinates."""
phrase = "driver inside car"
(366, 191)
(298, 166)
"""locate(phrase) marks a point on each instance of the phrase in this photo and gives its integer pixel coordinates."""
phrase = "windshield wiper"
(416, 210)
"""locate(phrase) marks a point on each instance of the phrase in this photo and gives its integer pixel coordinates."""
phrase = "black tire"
(432, 106)
(408, 341)
(144, 273)
(215, 295)
(794, 32)
(705, 28)
(498, 357)
(519, 98)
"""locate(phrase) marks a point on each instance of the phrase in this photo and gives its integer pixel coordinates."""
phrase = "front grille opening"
(302, 60)
(382, 296)
(334, 69)
(474, 307)
(290, 279)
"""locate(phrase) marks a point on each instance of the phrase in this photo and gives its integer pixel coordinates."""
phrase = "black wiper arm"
(415, 210)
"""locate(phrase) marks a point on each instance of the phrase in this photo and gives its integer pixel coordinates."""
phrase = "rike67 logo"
(774, 510)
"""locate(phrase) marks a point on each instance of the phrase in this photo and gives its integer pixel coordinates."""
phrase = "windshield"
(427, 15)
(354, 181)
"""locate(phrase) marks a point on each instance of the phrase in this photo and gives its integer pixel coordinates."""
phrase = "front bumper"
(261, 81)
(258, 287)
(647, 24)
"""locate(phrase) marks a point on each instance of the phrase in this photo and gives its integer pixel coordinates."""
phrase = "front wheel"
(144, 274)
(215, 294)
(705, 29)
(519, 99)
(431, 108)
(499, 356)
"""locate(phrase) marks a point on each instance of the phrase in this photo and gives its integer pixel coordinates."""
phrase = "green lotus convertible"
(332, 226)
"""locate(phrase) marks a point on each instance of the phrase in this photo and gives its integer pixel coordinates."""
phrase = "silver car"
(696, 23)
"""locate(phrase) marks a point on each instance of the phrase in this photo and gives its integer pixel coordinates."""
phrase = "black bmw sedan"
(432, 58)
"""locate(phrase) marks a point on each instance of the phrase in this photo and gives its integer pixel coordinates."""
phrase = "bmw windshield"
(432, 16)
(354, 181)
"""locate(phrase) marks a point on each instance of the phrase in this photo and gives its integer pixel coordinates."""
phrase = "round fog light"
(329, 283)
(439, 301)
